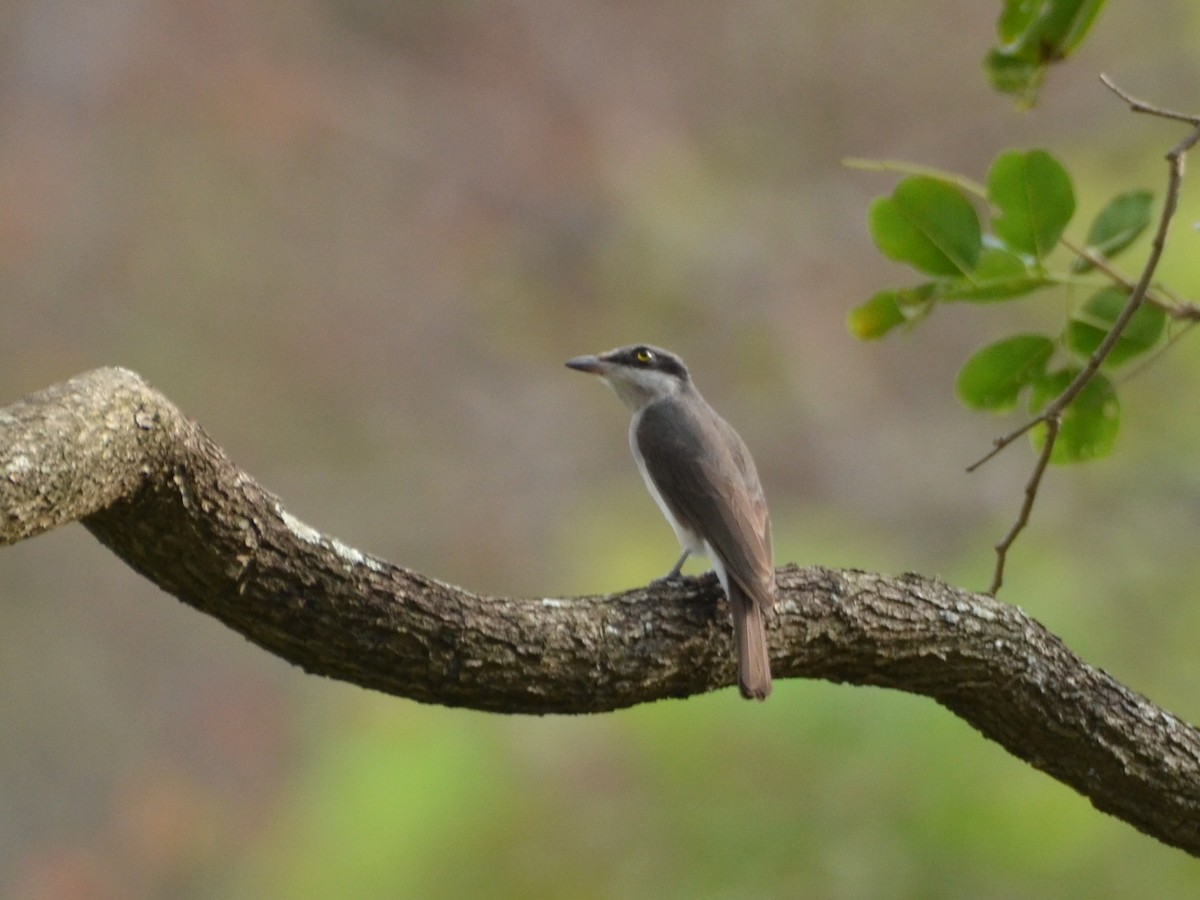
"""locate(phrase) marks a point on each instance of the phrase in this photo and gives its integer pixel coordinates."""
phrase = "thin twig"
(1141, 106)
(1054, 410)
(1185, 312)
(1177, 309)
(905, 168)
(1001, 442)
(1101, 264)
(1031, 490)
(1098, 261)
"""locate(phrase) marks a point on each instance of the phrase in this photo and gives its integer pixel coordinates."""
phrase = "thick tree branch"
(109, 450)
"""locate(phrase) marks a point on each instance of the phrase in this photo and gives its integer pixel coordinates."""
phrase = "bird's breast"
(688, 539)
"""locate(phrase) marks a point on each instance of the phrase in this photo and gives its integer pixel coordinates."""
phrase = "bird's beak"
(586, 364)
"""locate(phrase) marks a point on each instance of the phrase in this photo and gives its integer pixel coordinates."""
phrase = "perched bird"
(702, 477)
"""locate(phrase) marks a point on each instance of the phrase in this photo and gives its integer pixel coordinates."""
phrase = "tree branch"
(107, 449)
(1053, 423)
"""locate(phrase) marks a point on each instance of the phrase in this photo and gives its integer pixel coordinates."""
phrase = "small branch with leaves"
(1051, 415)
(930, 222)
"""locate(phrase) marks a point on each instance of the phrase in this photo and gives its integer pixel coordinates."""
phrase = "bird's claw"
(670, 578)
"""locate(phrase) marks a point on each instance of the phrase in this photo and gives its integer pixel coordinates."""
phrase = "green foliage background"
(356, 240)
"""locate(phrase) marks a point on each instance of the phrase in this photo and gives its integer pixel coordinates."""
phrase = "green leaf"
(1116, 226)
(994, 375)
(928, 224)
(876, 317)
(1015, 73)
(1033, 34)
(1035, 200)
(1016, 17)
(1000, 275)
(1092, 321)
(1054, 27)
(887, 309)
(1089, 426)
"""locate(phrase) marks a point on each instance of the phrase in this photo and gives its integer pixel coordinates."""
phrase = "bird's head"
(639, 374)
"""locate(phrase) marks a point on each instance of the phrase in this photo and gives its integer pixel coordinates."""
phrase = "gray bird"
(702, 477)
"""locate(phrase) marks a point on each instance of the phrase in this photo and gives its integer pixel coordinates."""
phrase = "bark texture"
(110, 451)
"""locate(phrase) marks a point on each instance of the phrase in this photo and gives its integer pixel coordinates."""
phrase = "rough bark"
(107, 449)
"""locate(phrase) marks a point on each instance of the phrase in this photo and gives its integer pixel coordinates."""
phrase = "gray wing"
(732, 517)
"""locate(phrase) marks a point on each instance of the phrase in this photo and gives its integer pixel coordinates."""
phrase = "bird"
(700, 473)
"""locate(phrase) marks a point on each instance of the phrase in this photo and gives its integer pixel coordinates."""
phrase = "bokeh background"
(356, 239)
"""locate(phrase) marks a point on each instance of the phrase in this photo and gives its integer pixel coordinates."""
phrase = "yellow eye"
(644, 355)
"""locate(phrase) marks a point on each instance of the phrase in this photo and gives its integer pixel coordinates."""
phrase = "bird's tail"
(750, 634)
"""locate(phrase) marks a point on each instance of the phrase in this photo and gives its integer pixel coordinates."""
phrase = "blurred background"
(356, 240)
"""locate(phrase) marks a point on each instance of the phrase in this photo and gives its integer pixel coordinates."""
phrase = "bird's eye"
(644, 356)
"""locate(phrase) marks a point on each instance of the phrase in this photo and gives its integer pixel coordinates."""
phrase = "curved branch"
(107, 449)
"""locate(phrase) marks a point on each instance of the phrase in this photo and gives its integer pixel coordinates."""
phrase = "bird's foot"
(672, 577)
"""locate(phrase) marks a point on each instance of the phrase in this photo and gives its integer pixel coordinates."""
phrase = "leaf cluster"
(932, 222)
